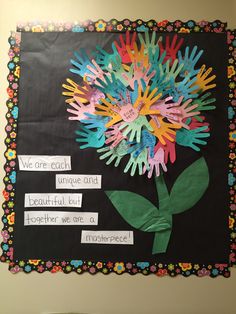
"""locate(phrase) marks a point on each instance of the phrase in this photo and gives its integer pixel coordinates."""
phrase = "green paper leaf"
(189, 187)
(137, 211)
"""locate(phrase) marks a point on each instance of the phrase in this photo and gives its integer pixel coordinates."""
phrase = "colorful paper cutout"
(150, 90)
(145, 216)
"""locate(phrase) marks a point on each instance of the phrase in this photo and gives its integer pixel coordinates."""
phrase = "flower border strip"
(10, 153)
(232, 142)
(79, 266)
(121, 26)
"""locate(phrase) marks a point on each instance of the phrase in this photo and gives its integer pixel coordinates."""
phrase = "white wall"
(42, 293)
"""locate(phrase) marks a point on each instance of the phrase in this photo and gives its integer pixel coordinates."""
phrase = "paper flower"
(141, 99)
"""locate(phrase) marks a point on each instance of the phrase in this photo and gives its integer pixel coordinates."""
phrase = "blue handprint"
(95, 122)
(184, 88)
(148, 140)
(81, 64)
(189, 61)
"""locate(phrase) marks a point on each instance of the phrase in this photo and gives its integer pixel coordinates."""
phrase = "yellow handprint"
(202, 81)
(74, 91)
(163, 129)
(107, 109)
(138, 57)
(145, 101)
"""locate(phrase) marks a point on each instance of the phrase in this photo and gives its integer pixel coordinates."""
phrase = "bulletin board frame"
(118, 267)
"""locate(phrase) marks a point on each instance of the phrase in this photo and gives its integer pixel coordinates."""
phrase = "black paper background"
(200, 235)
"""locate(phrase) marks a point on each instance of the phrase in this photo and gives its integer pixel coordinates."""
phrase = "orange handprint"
(162, 129)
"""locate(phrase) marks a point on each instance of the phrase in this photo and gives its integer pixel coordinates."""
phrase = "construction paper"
(44, 163)
(53, 200)
(107, 237)
(189, 187)
(150, 97)
(78, 181)
(138, 211)
(56, 218)
(143, 215)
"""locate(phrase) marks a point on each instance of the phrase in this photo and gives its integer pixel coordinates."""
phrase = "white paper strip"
(46, 218)
(107, 237)
(44, 163)
(53, 200)
(78, 181)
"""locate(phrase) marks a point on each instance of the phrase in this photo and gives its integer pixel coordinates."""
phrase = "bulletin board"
(120, 148)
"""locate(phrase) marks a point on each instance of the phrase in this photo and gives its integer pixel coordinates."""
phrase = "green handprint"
(170, 71)
(149, 44)
(116, 153)
(203, 103)
(135, 127)
(137, 162)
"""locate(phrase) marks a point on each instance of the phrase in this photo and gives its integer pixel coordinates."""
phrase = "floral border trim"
(10, 153)
(232, 142)
(124, 25)
(79, 266)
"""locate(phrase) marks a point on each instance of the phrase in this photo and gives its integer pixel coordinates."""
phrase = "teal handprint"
(135, 127)
(89, 138)
(81, 64)
(190, 138)
(189, 61)
(105, 59)
(204, 101)
(95, 122)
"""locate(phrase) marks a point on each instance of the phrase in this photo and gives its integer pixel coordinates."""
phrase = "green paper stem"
(163, 194)
(139, 212)
(161, 241)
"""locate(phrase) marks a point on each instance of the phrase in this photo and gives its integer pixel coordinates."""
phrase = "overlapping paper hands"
(140, 100)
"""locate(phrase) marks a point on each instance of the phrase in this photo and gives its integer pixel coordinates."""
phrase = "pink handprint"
(97, 73)
(127, 112)
(155, 163)
(79, 110)
(91, 94)
(138, 72)
(115, 136)
(185, 111)
(165, 109)
(125, 109)
(169, 150)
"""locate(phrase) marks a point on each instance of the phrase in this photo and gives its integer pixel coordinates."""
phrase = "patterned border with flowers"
(232, 142)
(124, 25)
(107, 267)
